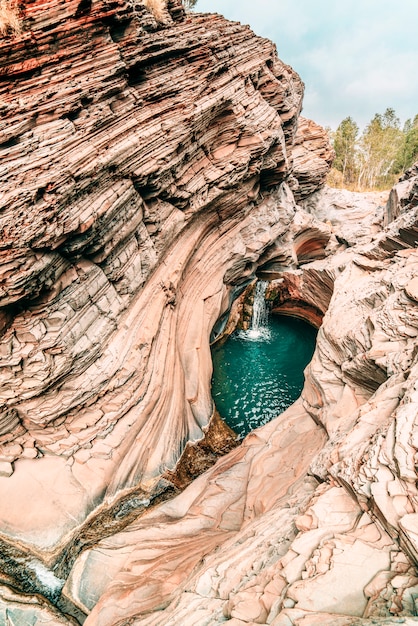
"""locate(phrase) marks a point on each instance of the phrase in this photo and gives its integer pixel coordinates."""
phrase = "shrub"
(157, 8)
(9, 18)
(189, 4)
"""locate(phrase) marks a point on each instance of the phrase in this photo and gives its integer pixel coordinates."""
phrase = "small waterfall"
(260, 316)
(259, 329)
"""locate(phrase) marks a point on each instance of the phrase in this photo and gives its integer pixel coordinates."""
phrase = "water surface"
(259, 373)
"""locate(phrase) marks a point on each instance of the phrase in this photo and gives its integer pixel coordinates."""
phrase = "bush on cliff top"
(189, 4)
(9, 18)
(157, 8)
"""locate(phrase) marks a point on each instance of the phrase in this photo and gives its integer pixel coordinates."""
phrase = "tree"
(345, 140)
(375, 160)
(189, 4)
(378, 149)
(408, 150)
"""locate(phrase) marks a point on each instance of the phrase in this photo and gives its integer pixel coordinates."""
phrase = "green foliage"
(189, 4)
(379, 145)
(376, 158)
(345, 138)
(408, 150)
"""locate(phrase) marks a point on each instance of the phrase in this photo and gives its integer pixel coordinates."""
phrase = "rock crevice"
(150, 168)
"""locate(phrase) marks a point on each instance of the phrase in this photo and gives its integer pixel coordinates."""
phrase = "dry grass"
(335, 179)
(157, 8)
(10, 23)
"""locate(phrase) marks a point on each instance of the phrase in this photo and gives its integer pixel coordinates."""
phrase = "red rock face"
(119, 134)
(146, 170)
(137, 159)
(312, 157)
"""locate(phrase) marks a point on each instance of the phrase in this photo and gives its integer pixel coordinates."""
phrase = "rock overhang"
(140, 204)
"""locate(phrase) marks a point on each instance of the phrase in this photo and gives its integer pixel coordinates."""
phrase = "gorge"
(258, 372)
(151, 165)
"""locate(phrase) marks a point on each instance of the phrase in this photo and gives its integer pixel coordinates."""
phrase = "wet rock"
(147, 170)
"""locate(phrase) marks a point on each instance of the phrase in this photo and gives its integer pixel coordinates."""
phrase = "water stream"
(259, 329)
(258, 373)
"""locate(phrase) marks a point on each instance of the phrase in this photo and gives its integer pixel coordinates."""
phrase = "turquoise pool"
(259, 373)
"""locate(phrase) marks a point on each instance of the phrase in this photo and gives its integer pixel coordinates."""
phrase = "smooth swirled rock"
(144, 168)
(152, 163)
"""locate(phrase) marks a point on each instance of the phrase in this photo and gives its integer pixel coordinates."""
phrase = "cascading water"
(260, 309)
(258, 373)
(259, 329)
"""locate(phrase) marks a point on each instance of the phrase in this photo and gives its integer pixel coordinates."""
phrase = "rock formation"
(312, 158)
(150, 167)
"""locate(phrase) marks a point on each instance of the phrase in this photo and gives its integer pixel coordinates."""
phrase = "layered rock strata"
(313, 519)
(147, 174)
(141, 170)
(312, 158)
(135, 158)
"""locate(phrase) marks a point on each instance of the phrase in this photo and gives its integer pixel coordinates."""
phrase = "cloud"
(356, 58)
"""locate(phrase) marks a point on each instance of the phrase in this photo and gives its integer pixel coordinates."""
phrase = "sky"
(356, 57)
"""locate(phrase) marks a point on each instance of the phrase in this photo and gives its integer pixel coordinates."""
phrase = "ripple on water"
(261, 334)
(256, 377)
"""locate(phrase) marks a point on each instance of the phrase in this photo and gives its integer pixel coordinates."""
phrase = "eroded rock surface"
(260, 540)
(147, 173)
(312, 158)
(131, 187)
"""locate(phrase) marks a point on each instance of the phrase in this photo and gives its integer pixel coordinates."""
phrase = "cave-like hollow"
(259, 362)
